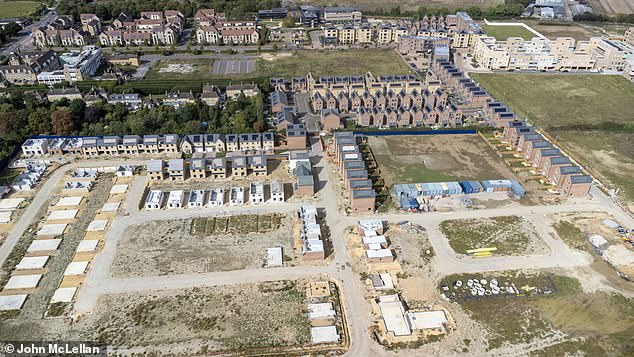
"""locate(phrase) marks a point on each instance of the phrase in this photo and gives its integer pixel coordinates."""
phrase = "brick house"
(331, 119)
(576, 185)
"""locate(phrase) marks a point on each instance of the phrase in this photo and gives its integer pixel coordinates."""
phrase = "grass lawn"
(323, 63)
(510, 235)
(560, 100)
(502, 33)
(18, 8)
(601, 319)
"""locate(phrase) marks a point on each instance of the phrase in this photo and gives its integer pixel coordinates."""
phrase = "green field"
(18, 8)
(322, 63)
(563, 100)
(590, 115)
(502, 33)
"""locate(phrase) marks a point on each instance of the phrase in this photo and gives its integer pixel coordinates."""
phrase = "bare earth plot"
(200, 245)
(203, 320)
(511, 235)
(561, 323)
(434, 158)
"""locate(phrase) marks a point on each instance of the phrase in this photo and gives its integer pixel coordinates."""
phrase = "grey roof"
(354, 174)
(567, 170)
(541, 144)
(195, 139)
(298, 155)
(176, 165)
(305, 180)
(358, 184)
(550, 152)
(581, 179)
(258, 160)
(219, 163)
(354, 165)
(155, 165)
(239, 161)
(368, 193)
(150, 139)
(197, 164)
(232, 138)
(268, 136)
(213, 138)
(171, 139)
(131, 139)
(559, 160)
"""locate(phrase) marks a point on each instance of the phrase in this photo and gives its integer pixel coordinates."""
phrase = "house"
(197, 141)
(109, 145)
(124, 171)
(552, 163)
(296, 137)
(256, 192)
(541, 155)
(175, 199)
(154, 200)
(170, 143)
(331, 119)
(130, 145)
(259, 165)
(279, 101)
(131, 101)
(150, 145)
(214, 142)
(89, 146)
(363, 200)
(198, 168)
(232, 142)
(277, 191)
(576, 185)
(251, 141)
(56, 94)
(239, 166)
(304, 182)
(196, 199)
(176, 170)
(268, 140)
(236, 196)
(156, 170)
(372, 241)
(248, 90)
(562, 172)
(35, 147)
(216, 197)
(218, 169)
(283, 119)
(210, 95)
(187, 147)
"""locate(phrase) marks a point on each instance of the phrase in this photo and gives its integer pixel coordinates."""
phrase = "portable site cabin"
(469, 187)
(517, 189)
(408, 203)
(496, 185)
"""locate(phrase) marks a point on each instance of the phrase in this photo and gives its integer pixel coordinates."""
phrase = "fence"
(416, 132)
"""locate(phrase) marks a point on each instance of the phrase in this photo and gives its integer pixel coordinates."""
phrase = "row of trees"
(108, 10)
(509, 9)
(620, 18)
(22, 116)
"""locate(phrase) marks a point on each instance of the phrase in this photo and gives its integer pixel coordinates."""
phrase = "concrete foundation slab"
(23, 281)
(116, 189)
(62, 215)
(96, 226)
(76, 268)
(87, 245)
(12, 302)
(10, 204)
(69, 201)
(110, 207)
(29, 263)
(44, 245)
(63, 295)
(52, 229)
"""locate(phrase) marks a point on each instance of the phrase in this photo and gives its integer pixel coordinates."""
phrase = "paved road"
(41, 199)
(26, 41)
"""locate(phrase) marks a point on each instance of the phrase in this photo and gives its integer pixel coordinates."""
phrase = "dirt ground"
(434, 158)
(169, 247)
(613, 7)
(511, 235)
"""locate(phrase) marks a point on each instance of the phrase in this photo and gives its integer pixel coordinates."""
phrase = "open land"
(18, 8)
(433, 158)
(585, 113)
(200, 245)
(408, 5)
(322, 63)
(501, 33)
(564, 321)
(613, 7)
(511, 235)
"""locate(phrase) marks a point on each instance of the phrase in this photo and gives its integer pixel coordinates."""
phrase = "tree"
(40, 121)
(62, 121)
(289, 22)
